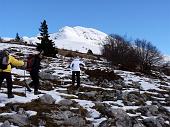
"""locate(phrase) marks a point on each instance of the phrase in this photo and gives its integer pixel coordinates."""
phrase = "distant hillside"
(75, 38)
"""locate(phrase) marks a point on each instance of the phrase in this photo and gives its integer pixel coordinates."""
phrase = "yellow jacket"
(14, 62)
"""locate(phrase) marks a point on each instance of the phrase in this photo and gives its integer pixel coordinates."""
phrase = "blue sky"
(144, 19)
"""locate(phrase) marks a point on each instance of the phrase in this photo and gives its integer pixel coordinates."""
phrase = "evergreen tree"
(46, 44)
(1, 39)
(17, 38)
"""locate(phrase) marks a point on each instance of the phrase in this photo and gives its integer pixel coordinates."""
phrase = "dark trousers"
(35, 80)
(77, 75)
(8, 77)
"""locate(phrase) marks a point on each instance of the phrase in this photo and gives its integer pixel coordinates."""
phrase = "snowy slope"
(75, 38)
(132, 88)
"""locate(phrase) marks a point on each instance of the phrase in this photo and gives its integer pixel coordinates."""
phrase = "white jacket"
(75, 64)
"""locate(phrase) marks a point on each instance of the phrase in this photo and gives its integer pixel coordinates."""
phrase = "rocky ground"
(107, 97)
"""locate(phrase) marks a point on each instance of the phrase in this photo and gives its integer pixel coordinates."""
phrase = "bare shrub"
(141, 56)
(148, 55)
(120, 52)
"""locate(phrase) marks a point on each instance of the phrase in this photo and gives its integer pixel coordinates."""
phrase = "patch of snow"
(96, 122)
(31, 113)
(148, 102)
(3, 114)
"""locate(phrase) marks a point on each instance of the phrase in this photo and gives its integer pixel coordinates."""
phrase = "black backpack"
(3, 60)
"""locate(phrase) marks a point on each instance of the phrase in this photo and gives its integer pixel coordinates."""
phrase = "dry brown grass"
(69, 53)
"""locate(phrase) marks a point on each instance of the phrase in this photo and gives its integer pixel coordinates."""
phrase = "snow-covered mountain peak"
(76, 38)
(79, 39)
(79, 33)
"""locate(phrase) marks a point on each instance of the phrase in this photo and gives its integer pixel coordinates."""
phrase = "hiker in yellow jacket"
(6, 73)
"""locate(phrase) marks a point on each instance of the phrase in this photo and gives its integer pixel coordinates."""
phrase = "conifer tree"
(1, 39)
(17, 38)
(46, 44)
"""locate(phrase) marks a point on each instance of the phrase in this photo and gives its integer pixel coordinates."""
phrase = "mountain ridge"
(75, 38)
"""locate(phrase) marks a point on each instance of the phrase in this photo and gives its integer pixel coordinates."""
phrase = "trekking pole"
(25, 85)
(1, 87)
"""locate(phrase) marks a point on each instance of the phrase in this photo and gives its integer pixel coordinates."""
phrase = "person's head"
(29, 55)
(41, 54)
(76, 58)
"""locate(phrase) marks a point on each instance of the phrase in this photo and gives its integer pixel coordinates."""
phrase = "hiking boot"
(10, 96)
(28, 88)
(37, 92)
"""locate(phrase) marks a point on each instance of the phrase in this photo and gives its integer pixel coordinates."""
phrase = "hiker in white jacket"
(75, 67)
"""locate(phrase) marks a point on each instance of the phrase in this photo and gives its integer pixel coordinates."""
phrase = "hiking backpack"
(3, 60)
(30, 63)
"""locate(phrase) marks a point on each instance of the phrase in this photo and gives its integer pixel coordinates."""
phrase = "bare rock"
(47, 99)
(65, 102)
(6, 124)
